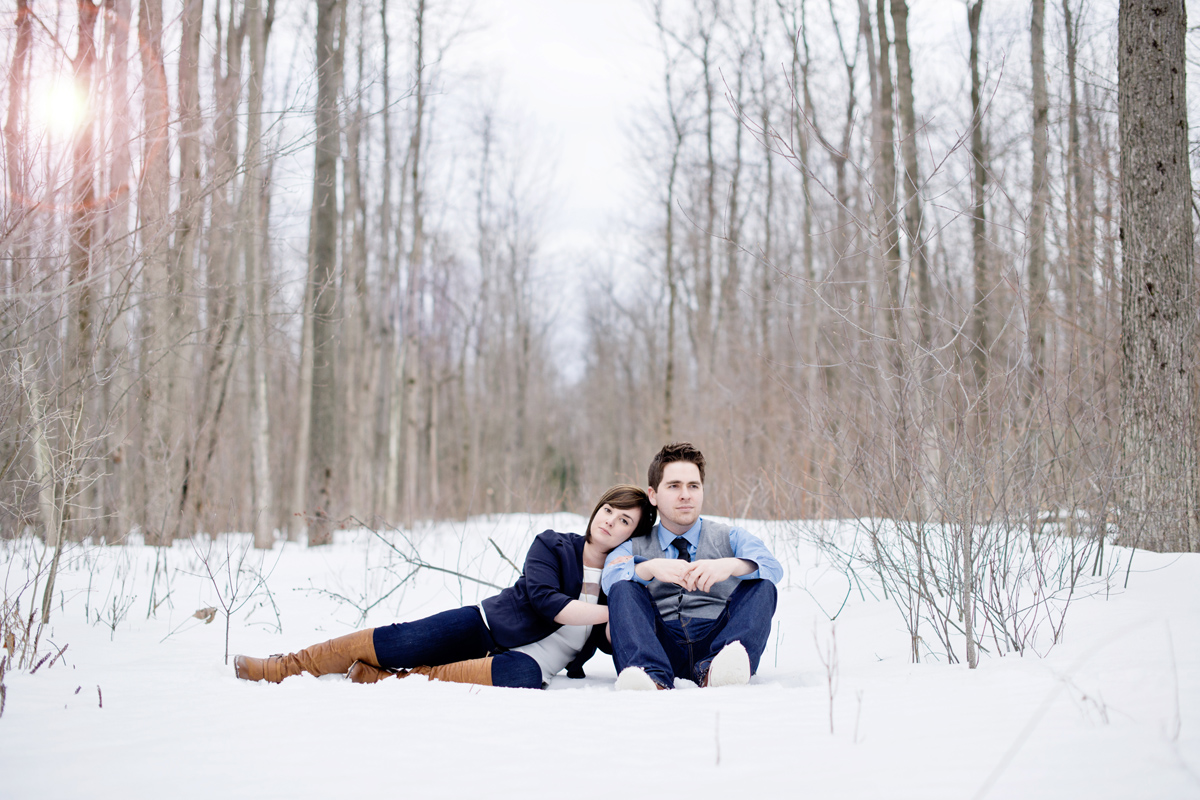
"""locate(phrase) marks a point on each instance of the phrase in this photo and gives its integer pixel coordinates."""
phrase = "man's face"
(679, 497)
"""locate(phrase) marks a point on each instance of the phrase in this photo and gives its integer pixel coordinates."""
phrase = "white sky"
(577, 70)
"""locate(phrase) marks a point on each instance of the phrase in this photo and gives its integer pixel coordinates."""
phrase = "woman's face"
(612, 526)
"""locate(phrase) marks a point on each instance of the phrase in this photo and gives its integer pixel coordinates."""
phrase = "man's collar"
(665, 537)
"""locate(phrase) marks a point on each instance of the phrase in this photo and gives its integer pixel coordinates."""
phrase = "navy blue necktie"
(681, 547)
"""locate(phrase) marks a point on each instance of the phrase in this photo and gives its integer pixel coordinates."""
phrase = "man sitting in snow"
(695, 598)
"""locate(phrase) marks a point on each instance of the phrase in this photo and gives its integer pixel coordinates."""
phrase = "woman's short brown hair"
(626, 497)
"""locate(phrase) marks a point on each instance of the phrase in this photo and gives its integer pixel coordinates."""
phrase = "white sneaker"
(635, 679)
(730, 667)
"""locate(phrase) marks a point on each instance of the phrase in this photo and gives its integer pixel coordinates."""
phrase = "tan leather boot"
(327, 658)
(477, 671)
(362, 672)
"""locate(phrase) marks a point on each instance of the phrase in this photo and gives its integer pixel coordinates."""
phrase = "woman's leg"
(335, 656)
(516, 670)
(444, 638)
(441, 639)
(511, 669)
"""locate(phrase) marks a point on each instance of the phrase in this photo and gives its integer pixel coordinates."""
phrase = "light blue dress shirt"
(745, 545)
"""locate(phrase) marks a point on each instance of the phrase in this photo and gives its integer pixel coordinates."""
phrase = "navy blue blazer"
(524, 612)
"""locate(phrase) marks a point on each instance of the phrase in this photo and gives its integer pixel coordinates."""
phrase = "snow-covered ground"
(143, 704)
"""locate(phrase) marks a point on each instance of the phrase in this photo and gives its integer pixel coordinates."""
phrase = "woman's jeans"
(451, 636)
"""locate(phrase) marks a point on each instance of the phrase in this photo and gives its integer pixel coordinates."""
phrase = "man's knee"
(627, 591)
(757, 598)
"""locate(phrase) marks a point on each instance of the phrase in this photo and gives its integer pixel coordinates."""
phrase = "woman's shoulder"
(555, 540)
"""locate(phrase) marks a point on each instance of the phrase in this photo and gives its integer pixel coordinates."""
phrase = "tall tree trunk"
(705, 288)
(1158, 309)
(83, 201)
(727, 309)
(81, 230)
(913, 214)
(16, 164)
(1040, 186)
(296, 516)
(116, 253)
(885, 189)
(981, 342)
(160, 382)
(187, 219)
(383, 338)
(412, 315)
(1080, 238)
(765, 265)
(669, 258)
(981, 334)
(224, 324)
(254, 242)
(322, 451)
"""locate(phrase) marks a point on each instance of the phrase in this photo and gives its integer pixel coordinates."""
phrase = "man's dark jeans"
(685, 647)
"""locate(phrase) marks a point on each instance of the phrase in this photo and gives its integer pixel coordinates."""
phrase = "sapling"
(829, 660)
(233, 580)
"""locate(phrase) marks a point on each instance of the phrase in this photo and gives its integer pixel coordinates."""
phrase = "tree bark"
(222, 301)
(913, 213)
(1158, 308)
(1040, 188)
(263, 502)
(160, 383)
(981, 342)
(322, 451)
(83, 201)
(412, 315)
(885, 189)
(116, 253)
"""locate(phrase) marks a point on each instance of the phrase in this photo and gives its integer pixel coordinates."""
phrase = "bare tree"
(1041, 193)
(981, 339)
(322, 451)
(159, 333)
(263, 505)
(1158, 308)
(913, 213)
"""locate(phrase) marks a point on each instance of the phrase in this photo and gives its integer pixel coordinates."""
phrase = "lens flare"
(61, 108)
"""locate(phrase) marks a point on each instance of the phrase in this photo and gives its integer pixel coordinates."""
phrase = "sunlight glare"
(61, 108)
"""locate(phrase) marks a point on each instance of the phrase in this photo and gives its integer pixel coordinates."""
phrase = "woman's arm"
(543, 575)
(578, 612)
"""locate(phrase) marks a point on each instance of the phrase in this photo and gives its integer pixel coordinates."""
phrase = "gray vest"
(672, 600)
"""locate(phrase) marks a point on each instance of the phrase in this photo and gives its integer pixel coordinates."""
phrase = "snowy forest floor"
(142, 702)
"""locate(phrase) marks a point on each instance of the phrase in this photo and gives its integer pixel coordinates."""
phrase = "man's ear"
(653, 495)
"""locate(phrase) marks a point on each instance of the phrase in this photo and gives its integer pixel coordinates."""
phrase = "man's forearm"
(744, 566)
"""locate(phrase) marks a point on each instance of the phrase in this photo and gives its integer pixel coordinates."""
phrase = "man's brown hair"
(676, 451)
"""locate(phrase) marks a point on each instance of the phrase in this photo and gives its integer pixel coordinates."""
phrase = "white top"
(560, 648)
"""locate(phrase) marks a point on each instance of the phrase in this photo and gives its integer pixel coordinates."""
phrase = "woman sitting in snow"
(554, 616)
